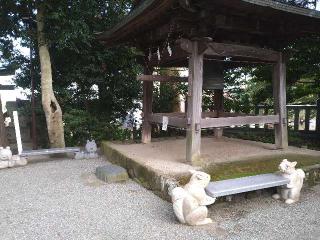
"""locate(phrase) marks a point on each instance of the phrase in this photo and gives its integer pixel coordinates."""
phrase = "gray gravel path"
(63, 200)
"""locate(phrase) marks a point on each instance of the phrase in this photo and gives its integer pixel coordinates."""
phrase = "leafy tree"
(86, 75)
(301, 3)
(50, 104)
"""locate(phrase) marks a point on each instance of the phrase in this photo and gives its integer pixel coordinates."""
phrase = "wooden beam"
(173, 121)
(186, 44)
(194, 105)
(318, 116)
(218, 106)
(147, 109)
(203, 114)
(158, 78)
(179, 120)
(233, 50)
(279, 93)
(237, 121)
(209, 48)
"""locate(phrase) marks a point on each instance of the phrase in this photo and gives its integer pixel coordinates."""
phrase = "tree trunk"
(50, 104)
(3, 131)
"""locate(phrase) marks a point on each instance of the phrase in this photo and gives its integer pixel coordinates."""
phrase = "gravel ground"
(63, 200)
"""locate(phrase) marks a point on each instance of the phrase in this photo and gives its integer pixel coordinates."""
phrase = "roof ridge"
(285, 7)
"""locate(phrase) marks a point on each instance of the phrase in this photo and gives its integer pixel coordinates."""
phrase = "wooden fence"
(300, 117)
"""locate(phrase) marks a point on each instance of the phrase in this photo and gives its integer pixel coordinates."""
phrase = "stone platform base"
(161, 164)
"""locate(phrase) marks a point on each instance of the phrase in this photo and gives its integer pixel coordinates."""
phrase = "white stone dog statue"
(9, 160)
(291, 192)
(91, 149)
(196, 187)
(189, 202)
(5, 158)
(5, 154)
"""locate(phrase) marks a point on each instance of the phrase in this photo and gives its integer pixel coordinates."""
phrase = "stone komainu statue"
(190, 201)
(290, 193)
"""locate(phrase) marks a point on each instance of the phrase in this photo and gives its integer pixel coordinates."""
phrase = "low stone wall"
(312, 175)
(145, 176)
(160, 184)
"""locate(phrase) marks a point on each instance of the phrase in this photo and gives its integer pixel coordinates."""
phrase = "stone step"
(28, 153)
(111, 173)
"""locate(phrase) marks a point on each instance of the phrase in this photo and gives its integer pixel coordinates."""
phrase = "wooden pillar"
(296, 119)
(318, 116)
(3, 132)
(219, 108)
(307, 120)
(280, 103)
(194, 105)
(147, 109)
(257, 113)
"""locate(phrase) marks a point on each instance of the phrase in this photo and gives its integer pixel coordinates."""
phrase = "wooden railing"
(300, 117)
(212, 119)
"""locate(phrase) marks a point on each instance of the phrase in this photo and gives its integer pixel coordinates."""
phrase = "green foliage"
(254, 166)
(80, 126)
(94, 84)
(301, 3)
(251, 86)
(166, 95)
(311, 141)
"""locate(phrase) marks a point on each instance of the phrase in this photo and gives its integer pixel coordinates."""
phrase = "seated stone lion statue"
(5, 154)
(189, 202)
(91, 149)
(8, 160)
(291, 192)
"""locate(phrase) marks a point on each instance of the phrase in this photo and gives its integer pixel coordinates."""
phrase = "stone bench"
(49, 151)
(245, 184)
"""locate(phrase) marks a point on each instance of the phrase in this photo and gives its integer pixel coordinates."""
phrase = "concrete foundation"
(162, 163)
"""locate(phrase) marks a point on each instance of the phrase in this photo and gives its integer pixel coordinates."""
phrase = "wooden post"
(257, 112)
(307, 120)
(3, 131)
(265, 112)
(296, 119)
(218, 106)
(147, 109)
(194, 105)
(318, 116)
(279, 93)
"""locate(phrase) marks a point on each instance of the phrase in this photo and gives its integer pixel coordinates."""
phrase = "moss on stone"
(183, 180)
(249, 167)
(261, 165)
(142, 174)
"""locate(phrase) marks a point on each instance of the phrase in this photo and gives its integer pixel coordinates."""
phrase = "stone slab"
(156, 165)
(49, 151)
(245, 184)
(111, 173)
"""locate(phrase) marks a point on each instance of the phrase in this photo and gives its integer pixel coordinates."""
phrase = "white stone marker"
(17, 130)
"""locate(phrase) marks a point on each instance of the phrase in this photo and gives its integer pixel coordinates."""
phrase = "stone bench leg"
(218, 132)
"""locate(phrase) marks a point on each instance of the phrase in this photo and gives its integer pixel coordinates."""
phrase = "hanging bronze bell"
(213, 75)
